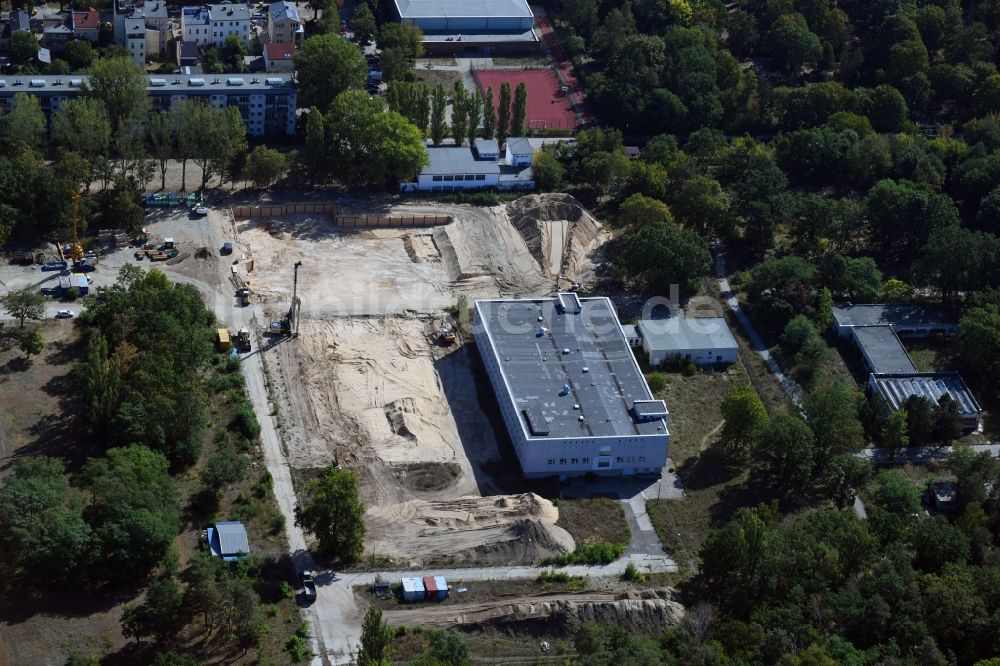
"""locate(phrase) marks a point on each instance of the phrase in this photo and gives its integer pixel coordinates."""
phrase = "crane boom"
(76, 251)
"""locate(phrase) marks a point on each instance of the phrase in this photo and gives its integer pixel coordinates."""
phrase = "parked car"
(54, 266)
(308, 586)
(64, 314)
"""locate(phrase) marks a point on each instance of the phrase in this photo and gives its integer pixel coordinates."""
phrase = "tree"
(459, 114)
(41, 522)
(475, 113)
(832, 412)
(548, 170)
(315, 149)
(161, 614)
(376, 637)
(133, 510)
(785, 451)
(24, 303)
(519, 110)
(333, 513)
(733, 558)
(264, 167)
(650, 180)
(896, 494)
(903, 215)
(700, 203)
(79, 54)
(955, 259)
(974, 473)
(204, 593)
(235, 51)
(325, 66)
(639, 209)
(25, 127)
(121, 85)
(885, 107)
(82, 125)
(937, 542)
(222, 469)
(370, 144)
(895, 435)
(659, 254)
(919, 419)
(406, 37)
(489, 115)
(503, 114)
(947, 421)
(245, 618)
(30, 342)
(363, 23)
(976, 343)
(439, 103)
(449, 648)
(744, 420)
(23, 48)
(792, 45)
(161, 138)
(844, 476)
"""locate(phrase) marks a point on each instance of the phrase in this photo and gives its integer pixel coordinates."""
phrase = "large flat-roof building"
(572, 396)
(905, 318)
(453, 168)
(894, 389)
(267, 104)
(471, 26)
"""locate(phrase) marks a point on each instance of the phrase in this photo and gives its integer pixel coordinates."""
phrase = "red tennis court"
(548, 105)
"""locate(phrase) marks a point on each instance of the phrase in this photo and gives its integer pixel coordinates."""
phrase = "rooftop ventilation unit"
(273, 81)
(649, 410)
(75, 83)
(196, 82)
(37, 83)
(157, 83)
(569, 303)
(3, 83)
(235, 81)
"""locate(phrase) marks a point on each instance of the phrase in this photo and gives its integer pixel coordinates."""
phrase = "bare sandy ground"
(368, 384)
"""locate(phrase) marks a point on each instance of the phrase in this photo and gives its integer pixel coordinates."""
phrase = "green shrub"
(632, 573)
(286, 590)
(550, 576)
(277, 522)
(599, 552)
(297, 649)
(657, 381)
(246, 423)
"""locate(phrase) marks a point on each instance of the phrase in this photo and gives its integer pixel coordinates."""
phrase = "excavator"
(290, 324)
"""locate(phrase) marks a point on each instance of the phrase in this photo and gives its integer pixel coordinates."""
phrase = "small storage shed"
(436, 588)
(413, 589)
(228, 539)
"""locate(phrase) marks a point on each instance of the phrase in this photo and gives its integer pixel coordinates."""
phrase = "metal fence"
(392, 220)
(277, 210)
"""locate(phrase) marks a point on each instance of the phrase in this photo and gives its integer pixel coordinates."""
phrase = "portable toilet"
(413, 589)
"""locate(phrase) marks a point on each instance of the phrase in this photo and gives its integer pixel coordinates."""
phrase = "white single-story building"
(702, 340)
(518, 152)
(454, 168)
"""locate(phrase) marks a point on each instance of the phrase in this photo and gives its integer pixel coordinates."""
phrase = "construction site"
(379, 379)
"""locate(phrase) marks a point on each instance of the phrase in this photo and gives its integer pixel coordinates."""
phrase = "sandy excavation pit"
(366, 382)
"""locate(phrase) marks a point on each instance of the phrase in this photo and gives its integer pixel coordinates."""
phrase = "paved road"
(920, 454)
(790, 387)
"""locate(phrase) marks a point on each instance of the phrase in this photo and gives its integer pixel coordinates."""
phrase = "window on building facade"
(552, 461)
(562, 461)
(586, 461)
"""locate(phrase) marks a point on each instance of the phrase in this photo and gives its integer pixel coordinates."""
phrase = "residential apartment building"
(279, 57)
(284, 25)
(266, 104)
(87, 25)
(135, 39)
(211, 24)
(153, 16)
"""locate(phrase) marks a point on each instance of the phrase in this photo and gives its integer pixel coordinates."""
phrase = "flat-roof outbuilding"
(703, 340)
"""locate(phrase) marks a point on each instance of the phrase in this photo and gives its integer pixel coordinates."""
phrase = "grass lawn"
(433, 77)
(712, 490)
(594, 520)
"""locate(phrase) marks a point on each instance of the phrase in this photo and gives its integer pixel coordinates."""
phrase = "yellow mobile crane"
(76, 251)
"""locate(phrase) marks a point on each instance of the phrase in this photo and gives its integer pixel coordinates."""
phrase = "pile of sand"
(559, 232)
(501, 528)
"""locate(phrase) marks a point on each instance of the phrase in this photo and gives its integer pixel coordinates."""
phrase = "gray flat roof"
(894, 314)
(680, 334)
(488, 146)
(895, 389)
(412, 9)
(283, 9)
(585, 352)
(884, 349)
(445, 160)
(229, 12)
(191, 84)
